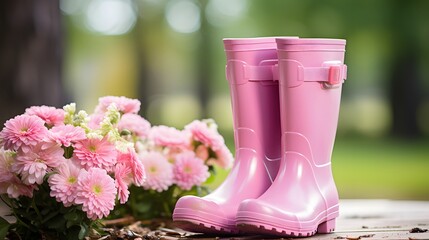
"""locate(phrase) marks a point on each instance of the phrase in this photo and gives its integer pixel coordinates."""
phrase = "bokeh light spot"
(183, 16)
(222, 12)
(110, 17)
(71, 7)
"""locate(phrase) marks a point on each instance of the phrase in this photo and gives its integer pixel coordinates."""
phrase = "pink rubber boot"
(303, 199)
(255, 106)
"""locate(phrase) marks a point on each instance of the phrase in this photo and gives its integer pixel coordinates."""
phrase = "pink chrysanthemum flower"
(202, 132)
(33, 165)
(15, 188)
(169, 137)
(67, 134)
(6, 162)
(124, 104)
(131, 160)
(96, 192)
(33, 173)
(171, 152)
(51, 115)
(135, 124)
(96, 153)
(202, 152)
(63, 183)
(22, 132)
(95, 120)
(224, 158)
(122, 179)
(189, 170)
(159, 171)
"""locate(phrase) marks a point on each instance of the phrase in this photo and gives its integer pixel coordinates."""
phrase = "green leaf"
(198, 190)
(4, 228)
(71, 216)
(143, 206)
(73, 233)
(83, 231)
(205, 190)
(68, 152)
(58, 223)
(212, 170)
(49, 215)
(211, 179)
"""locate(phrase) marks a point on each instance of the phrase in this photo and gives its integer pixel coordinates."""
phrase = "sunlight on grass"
(381, 169)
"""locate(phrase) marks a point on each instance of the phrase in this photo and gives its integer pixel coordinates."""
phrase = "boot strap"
(331, 73)
(240, 72)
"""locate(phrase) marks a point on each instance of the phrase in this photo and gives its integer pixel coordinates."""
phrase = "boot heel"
(326, 227)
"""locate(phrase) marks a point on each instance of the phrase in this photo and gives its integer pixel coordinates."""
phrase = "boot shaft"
(254, 95)
(311, 72)
(251, 51)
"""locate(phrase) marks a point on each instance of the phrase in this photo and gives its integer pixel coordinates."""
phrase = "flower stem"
(132, 200)
(166, 208)
(5, 202)
(18, 219)
(36, 209)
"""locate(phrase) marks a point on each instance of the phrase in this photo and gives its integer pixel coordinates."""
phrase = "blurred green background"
(169, 54)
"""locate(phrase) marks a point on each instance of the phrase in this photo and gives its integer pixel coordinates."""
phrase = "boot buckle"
(336, 74)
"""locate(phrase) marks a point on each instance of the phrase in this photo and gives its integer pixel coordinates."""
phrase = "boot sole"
(265, 229)
(202, 222)
(199, 227)
(249, 222)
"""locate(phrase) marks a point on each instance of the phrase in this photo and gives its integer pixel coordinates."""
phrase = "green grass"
(374, 168)
(393, 169)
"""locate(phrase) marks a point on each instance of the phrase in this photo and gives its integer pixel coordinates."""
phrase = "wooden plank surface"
(359, 219)
(382, 219)
(369, 220)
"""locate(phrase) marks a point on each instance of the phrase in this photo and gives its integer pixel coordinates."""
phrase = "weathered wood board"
(369, 220)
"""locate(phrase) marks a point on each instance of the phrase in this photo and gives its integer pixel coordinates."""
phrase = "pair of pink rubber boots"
(285, 99)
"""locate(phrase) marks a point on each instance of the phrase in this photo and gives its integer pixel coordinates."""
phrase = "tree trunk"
(31, 56)
(406, 83)
(405, 94)
(204, 62)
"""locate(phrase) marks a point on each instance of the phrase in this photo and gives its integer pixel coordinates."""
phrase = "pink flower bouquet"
(61, 171)
(177, 163)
